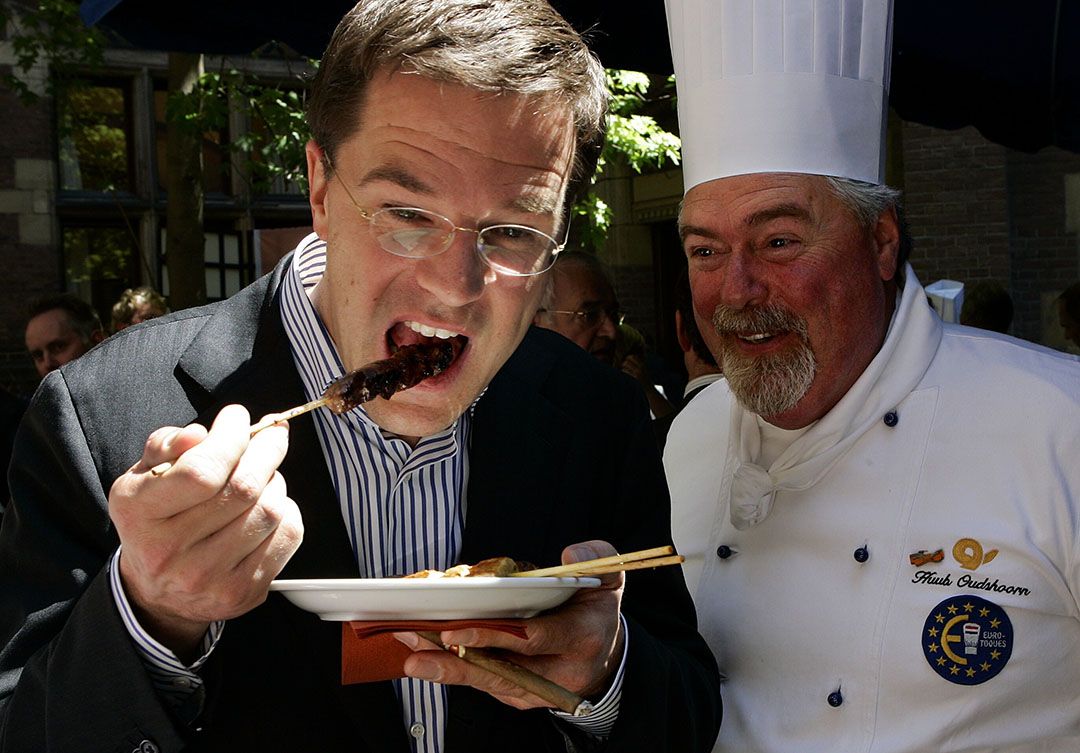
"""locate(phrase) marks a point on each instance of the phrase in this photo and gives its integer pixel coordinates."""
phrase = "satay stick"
(577, 567)
(285, 415)
(675, 559)
(377, 379)
(266, 423)
(541, 687)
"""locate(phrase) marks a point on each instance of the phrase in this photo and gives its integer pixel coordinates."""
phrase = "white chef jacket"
(830, 636)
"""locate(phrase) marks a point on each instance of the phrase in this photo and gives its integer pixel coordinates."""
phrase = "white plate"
(429, 599)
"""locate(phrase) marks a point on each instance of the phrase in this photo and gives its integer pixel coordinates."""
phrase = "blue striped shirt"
(403, 507)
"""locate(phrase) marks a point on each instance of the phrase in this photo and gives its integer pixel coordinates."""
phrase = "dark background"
(1011, 68)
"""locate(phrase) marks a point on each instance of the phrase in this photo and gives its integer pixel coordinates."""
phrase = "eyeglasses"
(592, 316)
(413, 233)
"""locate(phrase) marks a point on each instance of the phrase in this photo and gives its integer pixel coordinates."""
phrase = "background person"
(136, 305)
(60, 328)
(1068, 309)
(881, 529)
(449, 139)
(987, 305)
(701, 367)
(582, 306)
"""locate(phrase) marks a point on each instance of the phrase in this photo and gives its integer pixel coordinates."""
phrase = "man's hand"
(579, 645)
(202, 541)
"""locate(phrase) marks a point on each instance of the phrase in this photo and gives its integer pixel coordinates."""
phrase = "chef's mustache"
(764, 319)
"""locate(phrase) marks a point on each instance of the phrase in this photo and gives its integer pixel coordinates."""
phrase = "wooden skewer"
(675, 559)
(580, 567)
(266, 423)
(539, 686)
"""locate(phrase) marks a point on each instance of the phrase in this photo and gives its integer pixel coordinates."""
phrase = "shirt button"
(862, 554)
(181, 682)
(724, 551)
(417, 730)
(891, 419)
(835, 698)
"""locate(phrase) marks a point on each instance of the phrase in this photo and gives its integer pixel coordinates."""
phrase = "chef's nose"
(741, 282)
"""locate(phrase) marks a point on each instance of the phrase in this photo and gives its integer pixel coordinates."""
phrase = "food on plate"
(407, 367)
(497, 567)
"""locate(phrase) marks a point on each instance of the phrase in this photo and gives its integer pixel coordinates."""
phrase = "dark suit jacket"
(561, 452)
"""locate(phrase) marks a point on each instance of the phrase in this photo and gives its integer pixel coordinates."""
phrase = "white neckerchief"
(904, 357)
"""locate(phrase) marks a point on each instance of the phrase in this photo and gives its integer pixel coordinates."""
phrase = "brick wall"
(980, 211)
(955, 195)
(29, 248)
(1046, 256)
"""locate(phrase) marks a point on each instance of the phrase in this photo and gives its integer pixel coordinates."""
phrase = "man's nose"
(458, 275)
(609, 327)
(740, 282)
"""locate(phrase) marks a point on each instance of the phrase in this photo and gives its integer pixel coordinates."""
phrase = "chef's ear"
(887, 242)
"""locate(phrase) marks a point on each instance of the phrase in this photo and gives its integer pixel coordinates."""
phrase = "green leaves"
(48, 33)
(632, 136)
(267, 149)
(270, 151)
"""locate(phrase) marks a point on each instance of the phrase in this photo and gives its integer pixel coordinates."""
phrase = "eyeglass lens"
(593, 316)
(417, 233)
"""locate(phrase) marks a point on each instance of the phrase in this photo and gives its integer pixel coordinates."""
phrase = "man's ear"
(680, 333)
(887, 240)
(318, 182)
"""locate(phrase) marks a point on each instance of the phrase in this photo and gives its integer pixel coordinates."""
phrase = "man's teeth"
(758, 337)
(426, 331)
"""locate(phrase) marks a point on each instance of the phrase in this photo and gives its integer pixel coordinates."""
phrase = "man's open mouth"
(410, 332)
(757, 338)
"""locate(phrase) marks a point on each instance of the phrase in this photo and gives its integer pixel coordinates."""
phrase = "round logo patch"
(967, 640)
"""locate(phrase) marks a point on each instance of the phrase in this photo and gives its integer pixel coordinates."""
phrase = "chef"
(881, 530)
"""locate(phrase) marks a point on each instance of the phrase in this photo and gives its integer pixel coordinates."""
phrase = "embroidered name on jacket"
(969, 554)
(933, 578)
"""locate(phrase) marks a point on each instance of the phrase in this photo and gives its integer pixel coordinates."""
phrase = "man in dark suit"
(134, 603)
(701, 367)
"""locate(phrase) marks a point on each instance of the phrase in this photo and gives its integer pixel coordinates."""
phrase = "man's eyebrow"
(688, 230)
(535, 203)
(399, 176)
(795, 211)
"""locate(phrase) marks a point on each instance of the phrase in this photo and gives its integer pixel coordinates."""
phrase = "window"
(111, 138)
(99, 264)
(227, 269)
(93, 129)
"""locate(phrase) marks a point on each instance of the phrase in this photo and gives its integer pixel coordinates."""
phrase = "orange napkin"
(369, 651)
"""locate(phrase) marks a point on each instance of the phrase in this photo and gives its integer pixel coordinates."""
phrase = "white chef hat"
(781, 86)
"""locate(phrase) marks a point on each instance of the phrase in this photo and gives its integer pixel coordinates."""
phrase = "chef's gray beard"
(772, 384)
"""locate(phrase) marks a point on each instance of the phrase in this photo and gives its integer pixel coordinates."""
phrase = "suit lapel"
(243, 356)
(515, 450)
